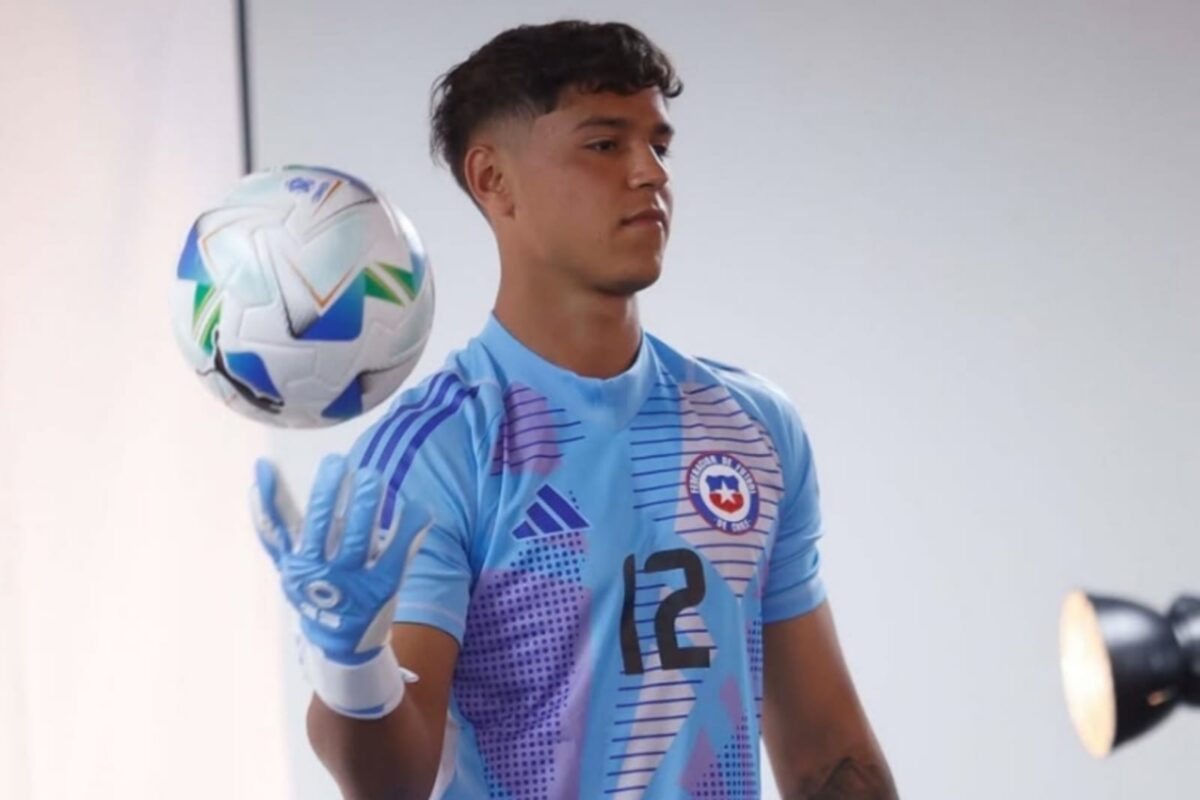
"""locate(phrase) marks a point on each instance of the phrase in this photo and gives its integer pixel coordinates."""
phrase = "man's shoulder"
(760, 395)
(452, 408)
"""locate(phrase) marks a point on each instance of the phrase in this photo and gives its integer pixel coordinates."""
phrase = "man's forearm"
(849, 779)
(391, 758)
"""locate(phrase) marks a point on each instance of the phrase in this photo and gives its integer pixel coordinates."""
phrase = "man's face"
(579, 175)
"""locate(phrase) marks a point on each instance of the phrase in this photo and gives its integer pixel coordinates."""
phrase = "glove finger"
(321, 504)
(262, 525)
(273, 532)
(360, 519)
(287, 515)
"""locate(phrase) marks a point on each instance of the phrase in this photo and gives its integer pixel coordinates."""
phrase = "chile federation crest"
(723, 492)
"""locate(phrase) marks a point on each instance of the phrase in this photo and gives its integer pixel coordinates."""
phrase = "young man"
(605, 550)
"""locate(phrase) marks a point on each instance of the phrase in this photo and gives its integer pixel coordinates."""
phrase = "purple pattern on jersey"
(733, 776)
(521, 678)
(731, 698)
(531, 434)
(573, 544)
(695, 778)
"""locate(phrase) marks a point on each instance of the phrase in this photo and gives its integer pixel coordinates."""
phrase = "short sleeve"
(793, 584)
(436, 587)
(426, 455)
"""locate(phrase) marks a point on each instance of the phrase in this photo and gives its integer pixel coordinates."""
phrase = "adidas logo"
(550, 513)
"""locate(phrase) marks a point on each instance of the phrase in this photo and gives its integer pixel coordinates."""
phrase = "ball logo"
(723, 492)
(300, 185)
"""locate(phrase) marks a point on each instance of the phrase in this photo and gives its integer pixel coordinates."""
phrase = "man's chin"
(634, 280)
(629, 285)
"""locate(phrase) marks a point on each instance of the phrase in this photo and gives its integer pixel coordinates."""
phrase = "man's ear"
(488, 179)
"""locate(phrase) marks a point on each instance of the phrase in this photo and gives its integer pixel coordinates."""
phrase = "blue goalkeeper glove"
(341, 578)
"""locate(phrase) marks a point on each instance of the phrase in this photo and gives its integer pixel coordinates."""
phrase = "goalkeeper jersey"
(606, 552)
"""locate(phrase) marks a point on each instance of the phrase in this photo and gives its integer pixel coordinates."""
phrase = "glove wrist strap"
(369, 690)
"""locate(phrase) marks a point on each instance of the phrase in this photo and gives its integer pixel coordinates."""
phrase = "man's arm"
(819, 741)
(395, 757)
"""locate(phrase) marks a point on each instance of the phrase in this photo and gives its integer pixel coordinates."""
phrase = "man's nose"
(648, 169)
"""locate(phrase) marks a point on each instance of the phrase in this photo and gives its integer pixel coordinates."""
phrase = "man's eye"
(603, 146)
(663, 150)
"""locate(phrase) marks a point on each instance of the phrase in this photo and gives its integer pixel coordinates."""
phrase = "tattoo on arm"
(849, 779)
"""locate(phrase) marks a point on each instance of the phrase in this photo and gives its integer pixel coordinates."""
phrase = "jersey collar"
(607, 401)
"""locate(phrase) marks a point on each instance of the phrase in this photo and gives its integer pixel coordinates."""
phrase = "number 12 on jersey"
(671, 655)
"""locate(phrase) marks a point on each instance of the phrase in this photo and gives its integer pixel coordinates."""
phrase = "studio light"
(1125, 666)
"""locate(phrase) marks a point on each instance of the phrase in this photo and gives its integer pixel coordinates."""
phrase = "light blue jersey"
(606, 552)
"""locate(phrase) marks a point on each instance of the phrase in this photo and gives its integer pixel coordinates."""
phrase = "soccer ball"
(304, 299)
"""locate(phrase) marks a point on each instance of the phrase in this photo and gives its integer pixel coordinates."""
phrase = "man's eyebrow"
(623, 123)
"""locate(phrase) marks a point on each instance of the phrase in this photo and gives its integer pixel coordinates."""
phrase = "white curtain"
(139, 655)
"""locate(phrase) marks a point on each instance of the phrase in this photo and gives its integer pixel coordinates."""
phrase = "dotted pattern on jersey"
(734, 775)
(520, 680)
(532, 433)
(697, 775)
(754, 651)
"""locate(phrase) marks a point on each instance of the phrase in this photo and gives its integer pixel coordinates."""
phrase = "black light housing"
(1125, 666)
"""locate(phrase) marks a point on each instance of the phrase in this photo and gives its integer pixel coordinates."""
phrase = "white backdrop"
(962, 235)
(140, 654)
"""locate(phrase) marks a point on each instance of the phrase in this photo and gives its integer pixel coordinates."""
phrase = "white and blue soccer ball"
(304, 298)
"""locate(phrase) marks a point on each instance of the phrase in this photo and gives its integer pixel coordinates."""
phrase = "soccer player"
(574, 562)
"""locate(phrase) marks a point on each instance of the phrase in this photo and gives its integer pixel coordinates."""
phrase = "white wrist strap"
(369, 690)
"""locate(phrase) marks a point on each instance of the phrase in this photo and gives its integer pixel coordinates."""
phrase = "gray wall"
(962, 235)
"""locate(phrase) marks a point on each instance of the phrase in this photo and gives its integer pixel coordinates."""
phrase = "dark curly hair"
(523, 71)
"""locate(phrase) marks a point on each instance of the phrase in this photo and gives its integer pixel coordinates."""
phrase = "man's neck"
(592, 335)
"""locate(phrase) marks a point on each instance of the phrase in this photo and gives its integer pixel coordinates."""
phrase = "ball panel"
(347, 405)
(252, 370)
(343, 321)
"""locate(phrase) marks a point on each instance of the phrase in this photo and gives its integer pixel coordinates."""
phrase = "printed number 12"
(670, 653)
